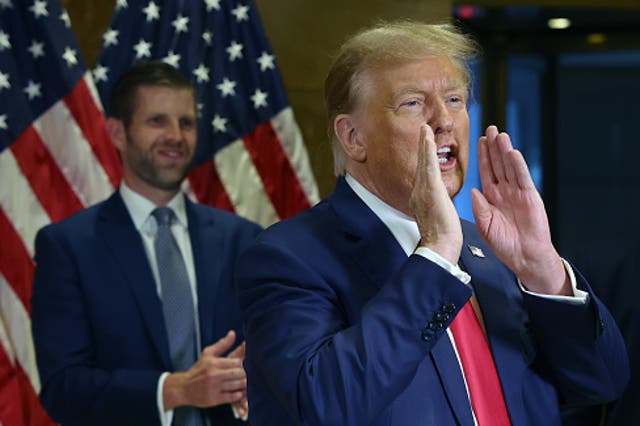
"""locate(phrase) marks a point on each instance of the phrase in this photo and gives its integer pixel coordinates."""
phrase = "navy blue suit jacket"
(343, 329)
(98, 327)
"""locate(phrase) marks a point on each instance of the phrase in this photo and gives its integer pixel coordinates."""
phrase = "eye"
(455, 101)
(187, 123)
(157, 119)
(412, 103)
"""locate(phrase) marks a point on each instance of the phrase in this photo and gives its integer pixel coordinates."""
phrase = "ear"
(347, 134)
(116, 131)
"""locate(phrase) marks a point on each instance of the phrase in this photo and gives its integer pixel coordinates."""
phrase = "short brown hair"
(122, 101)
(388, 43)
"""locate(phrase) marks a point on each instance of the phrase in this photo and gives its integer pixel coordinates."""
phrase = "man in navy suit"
(347, 307)
(101, 342)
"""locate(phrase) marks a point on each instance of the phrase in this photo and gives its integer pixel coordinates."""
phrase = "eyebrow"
(412, 89)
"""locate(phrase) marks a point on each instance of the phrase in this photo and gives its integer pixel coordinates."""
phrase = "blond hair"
(388, 44)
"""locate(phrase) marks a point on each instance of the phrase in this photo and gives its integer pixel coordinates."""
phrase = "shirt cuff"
(237, 416)
(165, 416)
(443, 263)
(579, 297)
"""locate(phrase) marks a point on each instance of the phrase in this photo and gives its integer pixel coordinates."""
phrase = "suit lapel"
(126, 246)
(446, 363)
(364, 233)
(206, 242)
(505, 322)
(367, 241)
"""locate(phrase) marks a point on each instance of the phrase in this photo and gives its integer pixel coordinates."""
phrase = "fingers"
(238, 352)
(499, 162)
(222, 345)
(481, 211)
(522, 174)
(241, 409)
(429, 151)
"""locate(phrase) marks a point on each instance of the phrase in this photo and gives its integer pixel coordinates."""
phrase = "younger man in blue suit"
(349, 308)
(100, 314)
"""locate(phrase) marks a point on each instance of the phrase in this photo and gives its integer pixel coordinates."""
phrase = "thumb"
(481, 211)
(222, 345)
(239, 351)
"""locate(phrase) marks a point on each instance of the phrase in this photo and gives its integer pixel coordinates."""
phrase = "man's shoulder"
(77, 220)
(208, 213)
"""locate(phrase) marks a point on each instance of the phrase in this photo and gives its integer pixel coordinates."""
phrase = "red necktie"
(479, 370)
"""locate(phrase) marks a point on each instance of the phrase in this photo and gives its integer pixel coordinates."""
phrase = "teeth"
(444, 150)
(442, 160)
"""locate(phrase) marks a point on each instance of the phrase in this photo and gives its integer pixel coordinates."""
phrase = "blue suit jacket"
(343, 329)
(97, 321)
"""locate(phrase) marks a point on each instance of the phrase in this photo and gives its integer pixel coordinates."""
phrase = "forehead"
(428, 74)
(164, 98)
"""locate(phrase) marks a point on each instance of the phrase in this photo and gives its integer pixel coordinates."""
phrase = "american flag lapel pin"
(476, 251)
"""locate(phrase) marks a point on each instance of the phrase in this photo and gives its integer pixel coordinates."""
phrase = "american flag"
(250, 155)
(56, 157)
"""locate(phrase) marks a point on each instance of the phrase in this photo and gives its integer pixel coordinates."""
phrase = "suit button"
(449, 308)
(435, 325)
(425, 336)
(601, 328)
(442, 316)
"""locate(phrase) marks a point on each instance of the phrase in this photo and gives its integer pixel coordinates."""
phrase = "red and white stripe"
(65, 162)
(265, 176)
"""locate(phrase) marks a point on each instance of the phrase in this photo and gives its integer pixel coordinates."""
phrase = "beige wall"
(303, 34)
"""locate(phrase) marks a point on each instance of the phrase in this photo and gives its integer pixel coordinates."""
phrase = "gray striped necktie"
(177, 306)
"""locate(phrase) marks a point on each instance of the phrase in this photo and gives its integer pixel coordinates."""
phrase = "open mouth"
(446, 155)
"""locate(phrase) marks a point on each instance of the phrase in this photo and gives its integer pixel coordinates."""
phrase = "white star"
(5, 4)
(36, 49)
(143, 49)
(39, 8)
(3, 122)
(219, 124)
(180, 23)
(172, 59)
(65, 18)
(4, 41)
(4, 81)
(202, 73)
(121, 4)
(110, 37)
(234, 51)
(69, 55)
(207, 37)
(32, 90)
(227, 87)
(241, 13)
(100, 73)
(266, 61)
(259, 99)
(212, 4)
(152, 11)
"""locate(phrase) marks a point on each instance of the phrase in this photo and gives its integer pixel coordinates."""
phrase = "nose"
(173, 131)
(441, 120)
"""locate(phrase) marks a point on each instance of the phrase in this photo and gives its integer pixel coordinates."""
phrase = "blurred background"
(560, 76)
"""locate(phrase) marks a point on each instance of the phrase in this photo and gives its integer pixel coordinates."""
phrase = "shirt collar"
(404, 228)
(140, 208)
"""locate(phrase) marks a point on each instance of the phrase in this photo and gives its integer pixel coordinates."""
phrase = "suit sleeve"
(321, 366)
(74, 390)
(582, 345)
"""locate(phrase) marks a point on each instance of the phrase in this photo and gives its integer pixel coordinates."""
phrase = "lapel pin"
(476, 251)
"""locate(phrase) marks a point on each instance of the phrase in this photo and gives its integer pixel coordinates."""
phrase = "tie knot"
(164, 216)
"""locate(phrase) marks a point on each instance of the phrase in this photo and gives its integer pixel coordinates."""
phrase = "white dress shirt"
(405, 230)
(140, 210)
